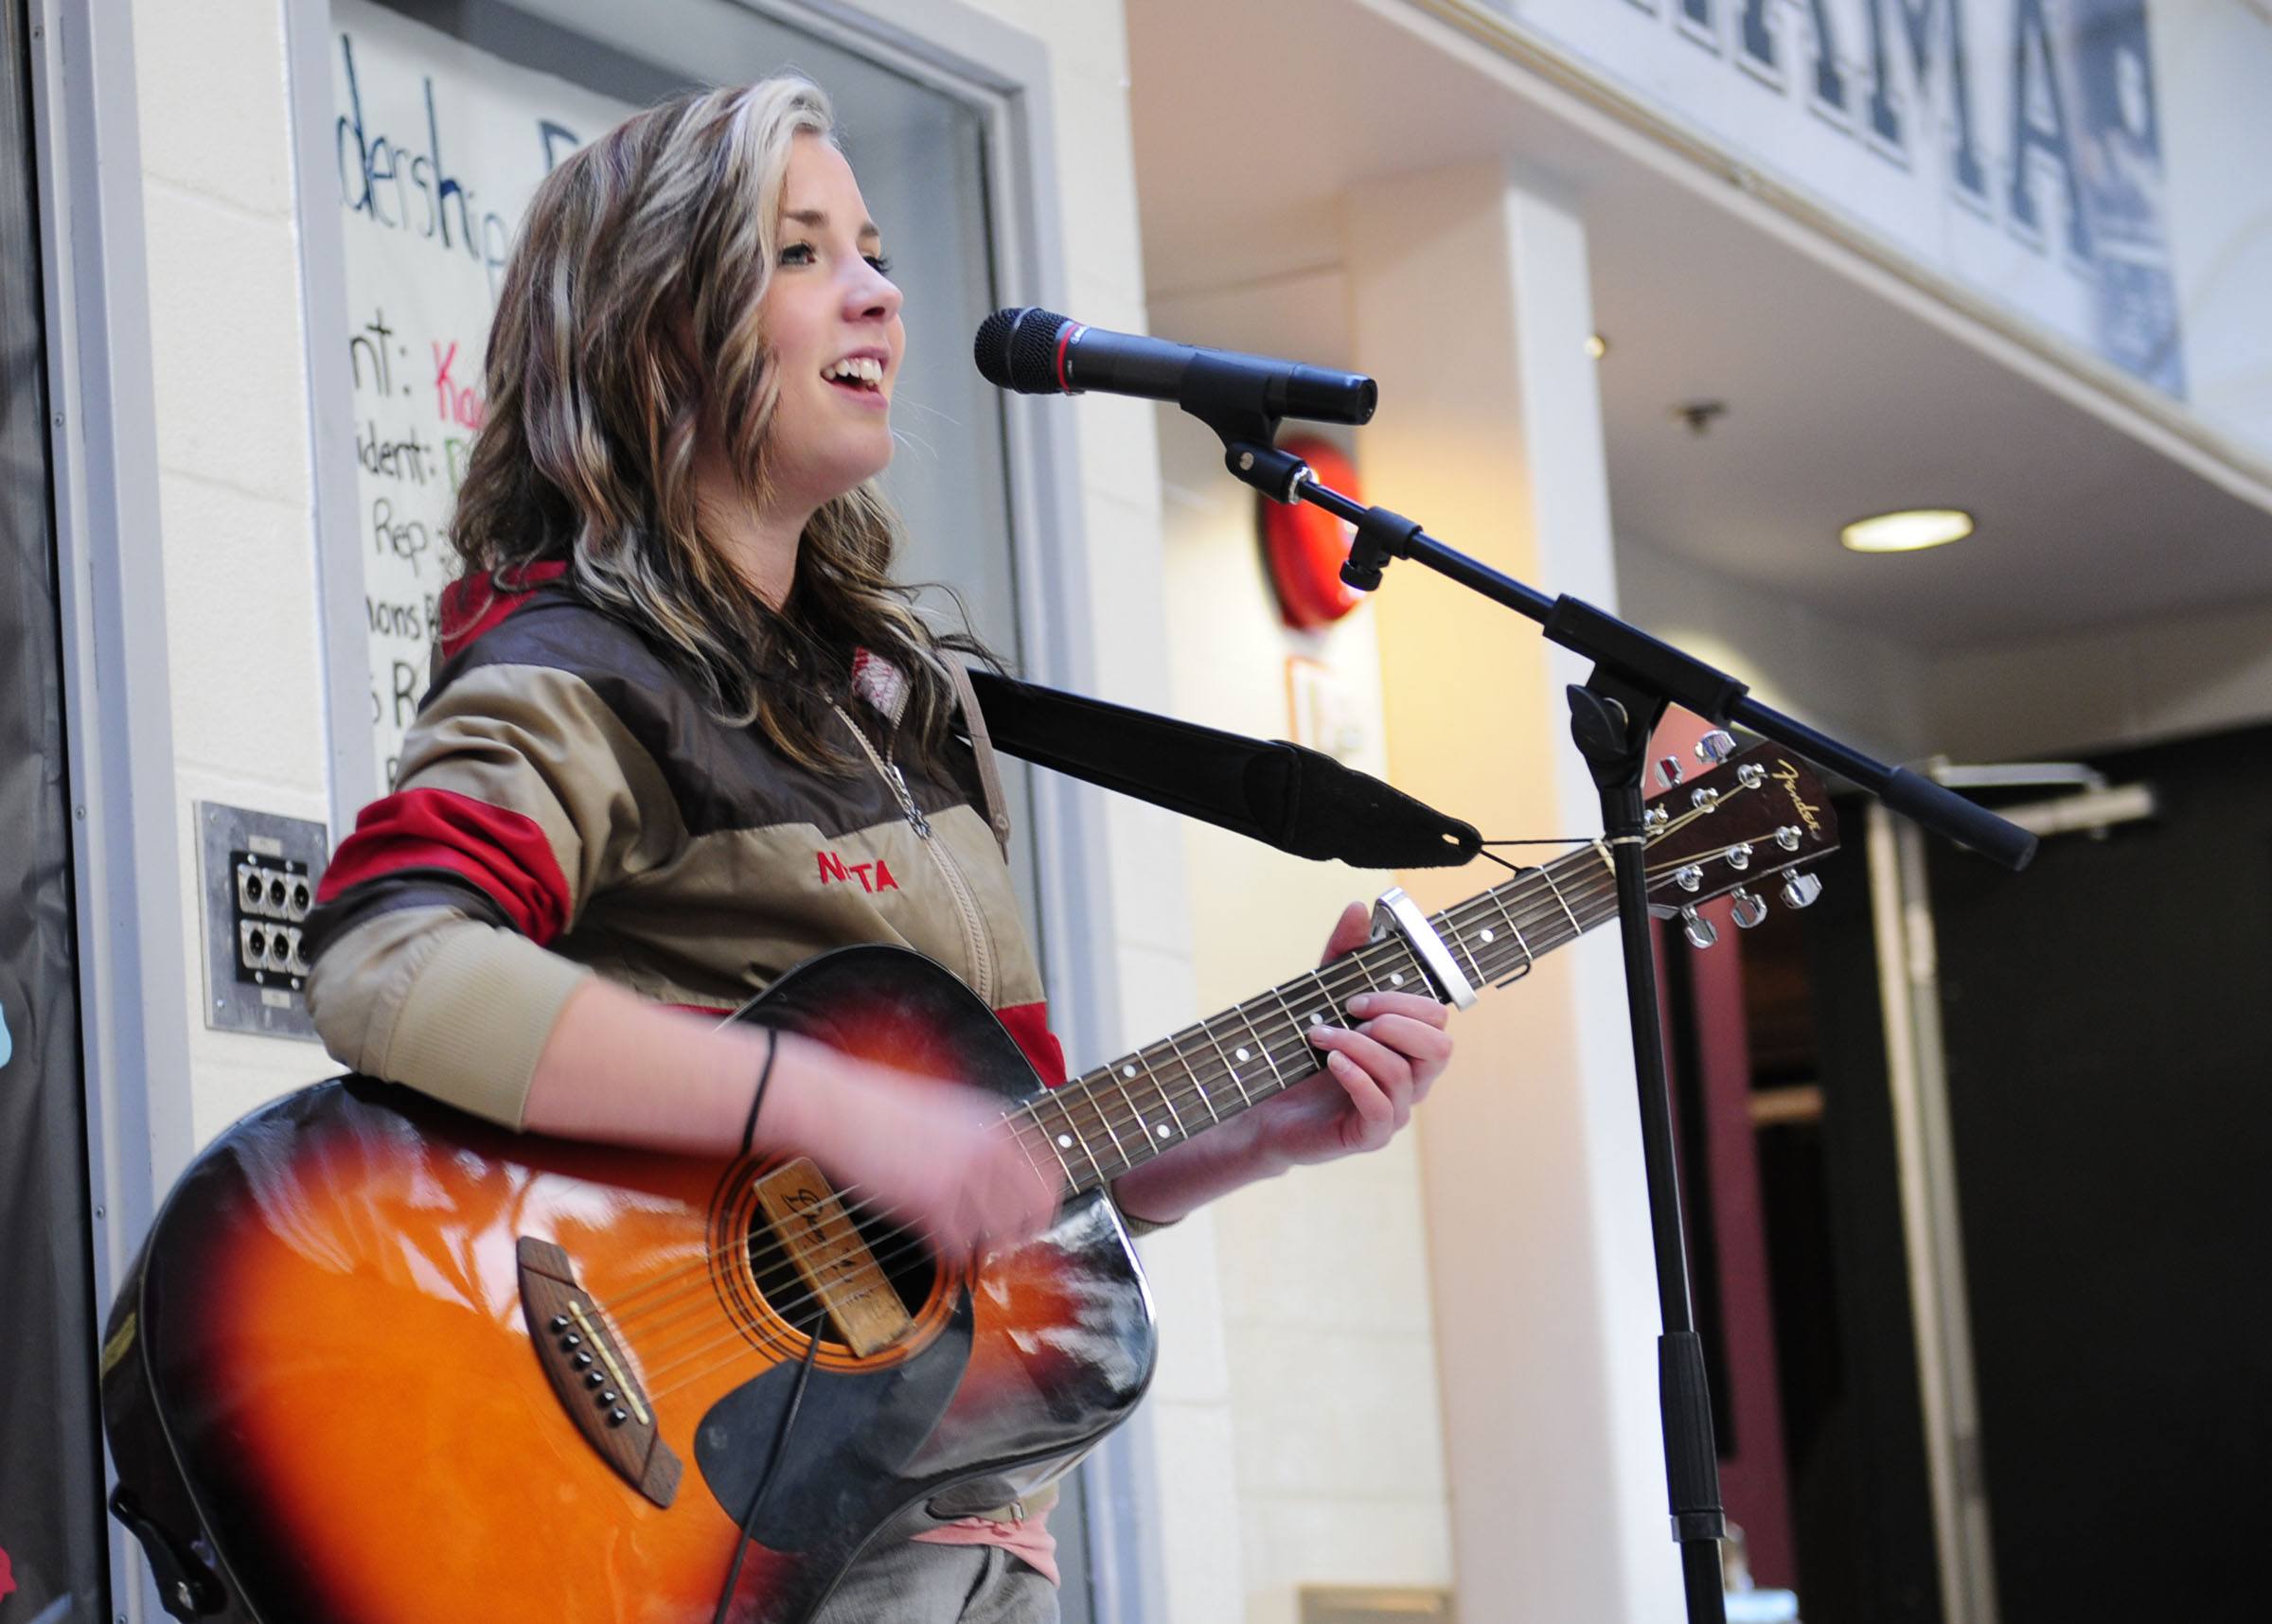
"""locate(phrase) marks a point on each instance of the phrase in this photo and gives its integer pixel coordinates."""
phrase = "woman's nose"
(872, 294)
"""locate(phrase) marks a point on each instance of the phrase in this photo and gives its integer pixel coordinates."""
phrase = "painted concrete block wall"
(229, 378)
(1326, 1401)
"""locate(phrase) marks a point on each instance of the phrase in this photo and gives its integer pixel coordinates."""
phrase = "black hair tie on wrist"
(765, 1075)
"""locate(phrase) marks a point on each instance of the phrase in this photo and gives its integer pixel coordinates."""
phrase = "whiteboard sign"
(439, 148)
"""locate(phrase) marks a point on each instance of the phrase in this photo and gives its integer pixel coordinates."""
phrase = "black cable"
(788, 1419)
(765, 1075)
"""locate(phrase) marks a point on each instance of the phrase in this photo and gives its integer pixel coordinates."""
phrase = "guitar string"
(1477, 905)
(1592, 894)
(668, 1363)
(1391, 952)
(1344, 978)
(1088, 1087)
(1457, 919)
(678, 1357)
(1469, 913)
(1288, 1044)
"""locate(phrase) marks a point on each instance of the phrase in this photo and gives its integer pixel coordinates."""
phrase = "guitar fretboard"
(1094, 1128)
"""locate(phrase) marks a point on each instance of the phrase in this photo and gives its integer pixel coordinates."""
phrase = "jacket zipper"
(965, 906)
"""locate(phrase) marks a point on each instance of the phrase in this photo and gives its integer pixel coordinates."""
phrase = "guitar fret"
(1205, 1099)
(1293, 1023)
(1018, 1133)
(1254, 1031)
(1576, 929)
(1175, 1116)
(1133, 1111)
(1529, 957)
(1120, 1150)
(1207, 1030)
(1475, 969)
(1175, 1041)
(1065, 1110)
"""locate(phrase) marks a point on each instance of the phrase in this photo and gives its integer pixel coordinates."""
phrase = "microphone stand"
(1612, 714)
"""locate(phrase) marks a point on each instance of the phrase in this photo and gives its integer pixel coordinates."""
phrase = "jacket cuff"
(1137, 1227)
(476, 1019)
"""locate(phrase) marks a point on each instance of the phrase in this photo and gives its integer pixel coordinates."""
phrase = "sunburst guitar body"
(381, 1363)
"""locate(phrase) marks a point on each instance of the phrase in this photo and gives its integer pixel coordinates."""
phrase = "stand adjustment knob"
(1800, 890)
(1715, 746)
(1699, 931)
(1749, 908)
(1668, 771)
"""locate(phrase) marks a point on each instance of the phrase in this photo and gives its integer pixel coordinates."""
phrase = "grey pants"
(913, 1582)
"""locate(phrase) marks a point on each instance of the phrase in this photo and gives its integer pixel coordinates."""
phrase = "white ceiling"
(1841, 402)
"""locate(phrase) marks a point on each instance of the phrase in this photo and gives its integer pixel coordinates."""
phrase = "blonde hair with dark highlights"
(646, 250)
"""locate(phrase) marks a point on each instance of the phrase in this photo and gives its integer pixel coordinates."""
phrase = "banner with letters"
(439, 148)
(2014, 145)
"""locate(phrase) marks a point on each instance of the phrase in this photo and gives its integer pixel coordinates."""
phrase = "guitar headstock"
(1758, 813)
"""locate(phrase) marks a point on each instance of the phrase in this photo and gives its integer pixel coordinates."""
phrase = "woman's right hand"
(938, 1156)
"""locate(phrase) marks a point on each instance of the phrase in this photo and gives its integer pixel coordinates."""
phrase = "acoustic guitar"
(382, 1363)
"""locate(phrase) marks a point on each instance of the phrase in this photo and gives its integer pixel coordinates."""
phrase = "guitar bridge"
(590, 1375)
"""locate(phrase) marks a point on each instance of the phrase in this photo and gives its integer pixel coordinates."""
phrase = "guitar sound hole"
(906, 1266)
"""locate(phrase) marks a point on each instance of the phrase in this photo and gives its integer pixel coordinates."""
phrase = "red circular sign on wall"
(1303, 547)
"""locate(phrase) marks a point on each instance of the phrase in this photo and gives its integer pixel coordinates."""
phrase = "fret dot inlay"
(1396, 977)
(1161, 1130)
(1242, 1054)
(1129, 1070)
(1487, 933)
(1065, 1141)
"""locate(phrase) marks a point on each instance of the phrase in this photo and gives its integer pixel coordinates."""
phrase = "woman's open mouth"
(859, 373)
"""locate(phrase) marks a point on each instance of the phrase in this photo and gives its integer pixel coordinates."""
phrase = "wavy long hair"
(628, 308)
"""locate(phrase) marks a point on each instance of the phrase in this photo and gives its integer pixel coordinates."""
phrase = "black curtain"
(51, 1532)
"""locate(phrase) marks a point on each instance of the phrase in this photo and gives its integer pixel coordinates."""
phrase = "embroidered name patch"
(835, 868)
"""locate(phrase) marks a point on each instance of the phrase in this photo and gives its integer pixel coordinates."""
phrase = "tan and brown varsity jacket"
(566, 806)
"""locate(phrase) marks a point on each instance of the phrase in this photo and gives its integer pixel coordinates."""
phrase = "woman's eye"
(797, 253)
(882, 264)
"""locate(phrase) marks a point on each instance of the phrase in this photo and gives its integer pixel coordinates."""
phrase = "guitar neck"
(1099, 1125)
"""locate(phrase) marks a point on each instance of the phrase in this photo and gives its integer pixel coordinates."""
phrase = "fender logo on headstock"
(1788, 775)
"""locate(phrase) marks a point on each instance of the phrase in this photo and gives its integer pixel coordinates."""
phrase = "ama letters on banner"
(2013, 144)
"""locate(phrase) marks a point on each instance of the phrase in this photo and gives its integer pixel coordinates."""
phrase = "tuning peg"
(1715, 746)
(1704, 799)
(1668, 770)
(1657, 818)
(1750, 775)
(1749, 910)
(1739, 857)
(1689, 878)
(1800, 890)
(1787, 837)
(1700, 932)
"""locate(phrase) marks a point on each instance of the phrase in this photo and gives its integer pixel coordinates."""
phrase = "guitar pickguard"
(854, 1434)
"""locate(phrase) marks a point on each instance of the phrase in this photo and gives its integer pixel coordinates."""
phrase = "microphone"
(1039, 352)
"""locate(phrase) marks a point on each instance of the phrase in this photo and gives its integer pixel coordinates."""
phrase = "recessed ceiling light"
(1596, 345)
(1907, 531)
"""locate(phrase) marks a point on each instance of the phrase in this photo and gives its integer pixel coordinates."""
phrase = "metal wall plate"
(258, 878)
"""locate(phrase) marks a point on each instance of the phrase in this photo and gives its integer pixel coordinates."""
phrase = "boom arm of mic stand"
(1645, 661)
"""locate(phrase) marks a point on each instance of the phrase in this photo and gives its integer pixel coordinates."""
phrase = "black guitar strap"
(1283, 795)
